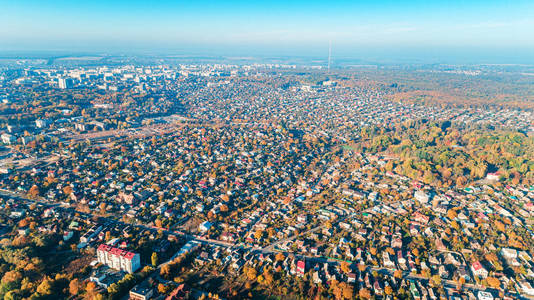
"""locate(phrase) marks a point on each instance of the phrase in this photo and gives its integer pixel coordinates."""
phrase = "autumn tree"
(251, 273)
(154, 259)
(348, 291)
(34, 191)
(364, 293)
(258, 234)
(493, 282)
(451, 214)
(90, 287)
(436, 280)
(165, 271)
(162, 289)
(268, 278)
(74, 287)
(345, 267)
(46, 287)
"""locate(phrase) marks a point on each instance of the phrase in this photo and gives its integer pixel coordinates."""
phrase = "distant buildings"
(205, 227)
(493, 176)
(8, 138)
(65, 83)
(118, 259)
(26, 139)
(421, 196)
(41, 123)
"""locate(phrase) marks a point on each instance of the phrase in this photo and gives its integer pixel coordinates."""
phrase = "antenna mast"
(329, 54)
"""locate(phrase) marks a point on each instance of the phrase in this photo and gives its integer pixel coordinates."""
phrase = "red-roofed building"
(118, 259)
(420, 218)
(301, 267)
(181, 292)
(478, 270)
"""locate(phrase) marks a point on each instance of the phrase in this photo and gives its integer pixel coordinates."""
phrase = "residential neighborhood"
(257, 182)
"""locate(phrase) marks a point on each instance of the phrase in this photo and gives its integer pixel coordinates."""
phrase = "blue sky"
(492, 28)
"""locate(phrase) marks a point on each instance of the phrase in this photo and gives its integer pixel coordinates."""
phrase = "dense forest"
(438, 153)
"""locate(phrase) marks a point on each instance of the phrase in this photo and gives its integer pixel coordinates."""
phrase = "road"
(272, 246)
(267, 250)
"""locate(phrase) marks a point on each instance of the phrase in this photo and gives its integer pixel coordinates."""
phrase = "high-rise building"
(41, 123)
(8, 138)
(118, 259)
(65, 83)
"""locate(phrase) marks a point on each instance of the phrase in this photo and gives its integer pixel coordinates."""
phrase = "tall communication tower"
(329, 54)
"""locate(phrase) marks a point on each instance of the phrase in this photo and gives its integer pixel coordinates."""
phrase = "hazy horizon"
(389, 31)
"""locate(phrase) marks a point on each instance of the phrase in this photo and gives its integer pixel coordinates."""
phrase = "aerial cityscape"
(195, 172)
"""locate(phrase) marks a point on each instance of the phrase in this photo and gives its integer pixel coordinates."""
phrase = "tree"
(90, 287)
(436, 280)
(258, 234)
(268, 278)
(460, 283)
(345, 267)
(12, 276)
(34, 191)
(74, 287)
(67, 190)
(165, 271)
(114, 289)
(461, 181)
(364, 293)
(251, 273)
(397, 274)
(348, 291)
(13, 295)
(154, 259)
(98, 297)
(388, 290)
(389, 166)
(280, 256)
(336, 289)
(500, 226)
(493, 282)
(46, 287)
